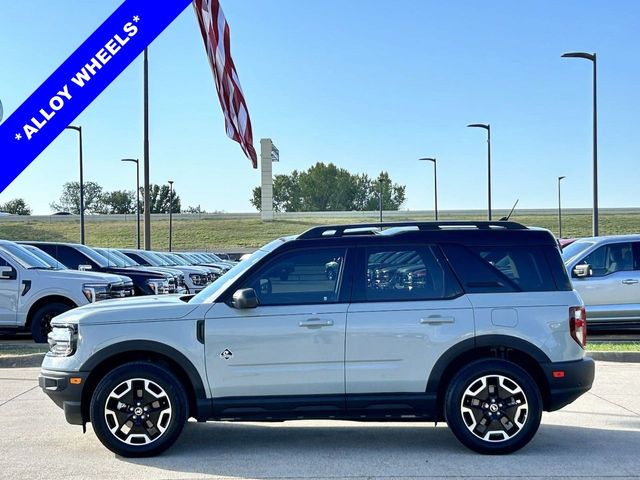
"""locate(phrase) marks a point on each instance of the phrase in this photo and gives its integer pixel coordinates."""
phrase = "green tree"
(329, 188)
(70, 198)
(159, 200)
(119, 201)
(17, 206)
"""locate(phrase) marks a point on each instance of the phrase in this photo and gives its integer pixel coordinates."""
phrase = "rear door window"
(403, 273)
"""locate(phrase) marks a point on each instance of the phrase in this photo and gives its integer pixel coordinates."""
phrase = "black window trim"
(358, 289)
(344, 283)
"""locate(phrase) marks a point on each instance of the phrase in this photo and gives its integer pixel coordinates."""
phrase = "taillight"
(578, 325)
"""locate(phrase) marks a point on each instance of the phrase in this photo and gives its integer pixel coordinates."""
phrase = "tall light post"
(559, 209)
(592, 57)
(380, 201)
(435, 184)
(136, 161)
(79, 130)
(170, 212)
(487, 127)
(147, 203)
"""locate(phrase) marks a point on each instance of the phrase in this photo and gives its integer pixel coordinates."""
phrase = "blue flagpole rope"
(79, 81)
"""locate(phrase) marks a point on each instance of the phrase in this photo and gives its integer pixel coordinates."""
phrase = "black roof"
(464, 232)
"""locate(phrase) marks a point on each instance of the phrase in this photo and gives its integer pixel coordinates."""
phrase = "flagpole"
(147, 206)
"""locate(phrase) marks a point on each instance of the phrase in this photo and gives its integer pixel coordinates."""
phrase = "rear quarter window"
(503, 268)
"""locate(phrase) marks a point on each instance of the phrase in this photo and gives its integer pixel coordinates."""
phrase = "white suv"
(32, 292)
(472, 323)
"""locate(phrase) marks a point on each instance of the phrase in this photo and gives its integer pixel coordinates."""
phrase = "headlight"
(95, 291)
(198, 279)
(158, 285)
(62, 340)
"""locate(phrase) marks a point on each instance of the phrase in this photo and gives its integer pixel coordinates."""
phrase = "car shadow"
(348, 449)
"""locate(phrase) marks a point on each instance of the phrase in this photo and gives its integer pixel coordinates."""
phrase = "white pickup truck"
(32, 292)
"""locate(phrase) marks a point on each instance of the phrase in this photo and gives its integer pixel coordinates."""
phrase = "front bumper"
(68, 396)
(567, 381)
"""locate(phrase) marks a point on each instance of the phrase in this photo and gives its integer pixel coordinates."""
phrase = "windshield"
(45, 257)
(177, 259)
(93, 255)
(25, 257)
(111, 258)
(210, 294)
(573, 250)
(155, 259)
(126, 260)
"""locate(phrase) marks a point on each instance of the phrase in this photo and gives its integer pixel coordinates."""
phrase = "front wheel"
(138, 409)
(41, 321)
(493, 406)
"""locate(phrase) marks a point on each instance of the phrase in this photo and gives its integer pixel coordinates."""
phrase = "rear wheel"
(493, 406)
(41, 321)
(138, 409)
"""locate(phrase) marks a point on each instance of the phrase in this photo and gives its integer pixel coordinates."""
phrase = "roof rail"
(365, 228)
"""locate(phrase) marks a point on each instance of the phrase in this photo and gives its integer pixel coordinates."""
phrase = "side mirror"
(84, 268)
(7, 273)
(244, 298)
(582, 271)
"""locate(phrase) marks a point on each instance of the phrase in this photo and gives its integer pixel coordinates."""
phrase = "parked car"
(495, 336)
(605, 271)
(565, 242)
(127, 287)
(81, 257)
(120, 260)
(194, 259)
(33, 292)
(195, 278)
(177, 261)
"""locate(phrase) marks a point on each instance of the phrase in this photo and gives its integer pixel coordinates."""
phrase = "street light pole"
(592, 58)
(380, 202)
(170, 212)
(147, 204)
(487, 127)
(137, 162)
(79, 130)
(559, 209)
(435, 184)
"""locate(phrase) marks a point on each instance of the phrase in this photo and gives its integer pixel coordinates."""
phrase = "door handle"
(316, 322)
(436, 320)
(630, 281)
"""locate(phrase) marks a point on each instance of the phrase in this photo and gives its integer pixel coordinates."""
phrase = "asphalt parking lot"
(598, 436)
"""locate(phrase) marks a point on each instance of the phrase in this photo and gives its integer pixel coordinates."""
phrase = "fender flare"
(482, 341)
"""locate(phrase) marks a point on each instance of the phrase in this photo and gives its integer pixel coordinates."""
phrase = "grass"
(246, 233)
(614, 347)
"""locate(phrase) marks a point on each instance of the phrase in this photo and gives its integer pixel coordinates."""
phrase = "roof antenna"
(506, 219)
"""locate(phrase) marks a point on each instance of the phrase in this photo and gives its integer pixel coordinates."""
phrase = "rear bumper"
(576, 379)
(67, 395)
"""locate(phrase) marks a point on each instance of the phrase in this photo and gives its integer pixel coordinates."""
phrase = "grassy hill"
(224, 232)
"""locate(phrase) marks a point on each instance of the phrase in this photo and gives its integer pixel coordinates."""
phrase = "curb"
(628, 357)
(22, 361)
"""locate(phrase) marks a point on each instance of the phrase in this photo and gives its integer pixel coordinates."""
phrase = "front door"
(292, 344)
(9, 291)
(612, 291)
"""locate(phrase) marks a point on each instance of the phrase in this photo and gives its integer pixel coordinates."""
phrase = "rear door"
(9, 291)
(407, 310)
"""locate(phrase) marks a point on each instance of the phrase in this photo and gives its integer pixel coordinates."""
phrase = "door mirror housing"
(84, 268)
(582, 271)
(244, 298)
(7, 273)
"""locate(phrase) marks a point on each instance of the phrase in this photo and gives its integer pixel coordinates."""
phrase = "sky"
(365, 84)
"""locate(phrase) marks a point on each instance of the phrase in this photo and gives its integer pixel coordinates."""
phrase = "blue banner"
(79, 80)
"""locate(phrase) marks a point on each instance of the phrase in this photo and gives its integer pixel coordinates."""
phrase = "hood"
(84, 276)
(134, 309)
(136, 272)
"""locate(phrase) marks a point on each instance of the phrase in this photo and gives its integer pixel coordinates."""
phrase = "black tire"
(41, 321)
(493, 399)
(118, 412)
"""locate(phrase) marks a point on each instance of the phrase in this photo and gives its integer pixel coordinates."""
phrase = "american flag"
(215, 33)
